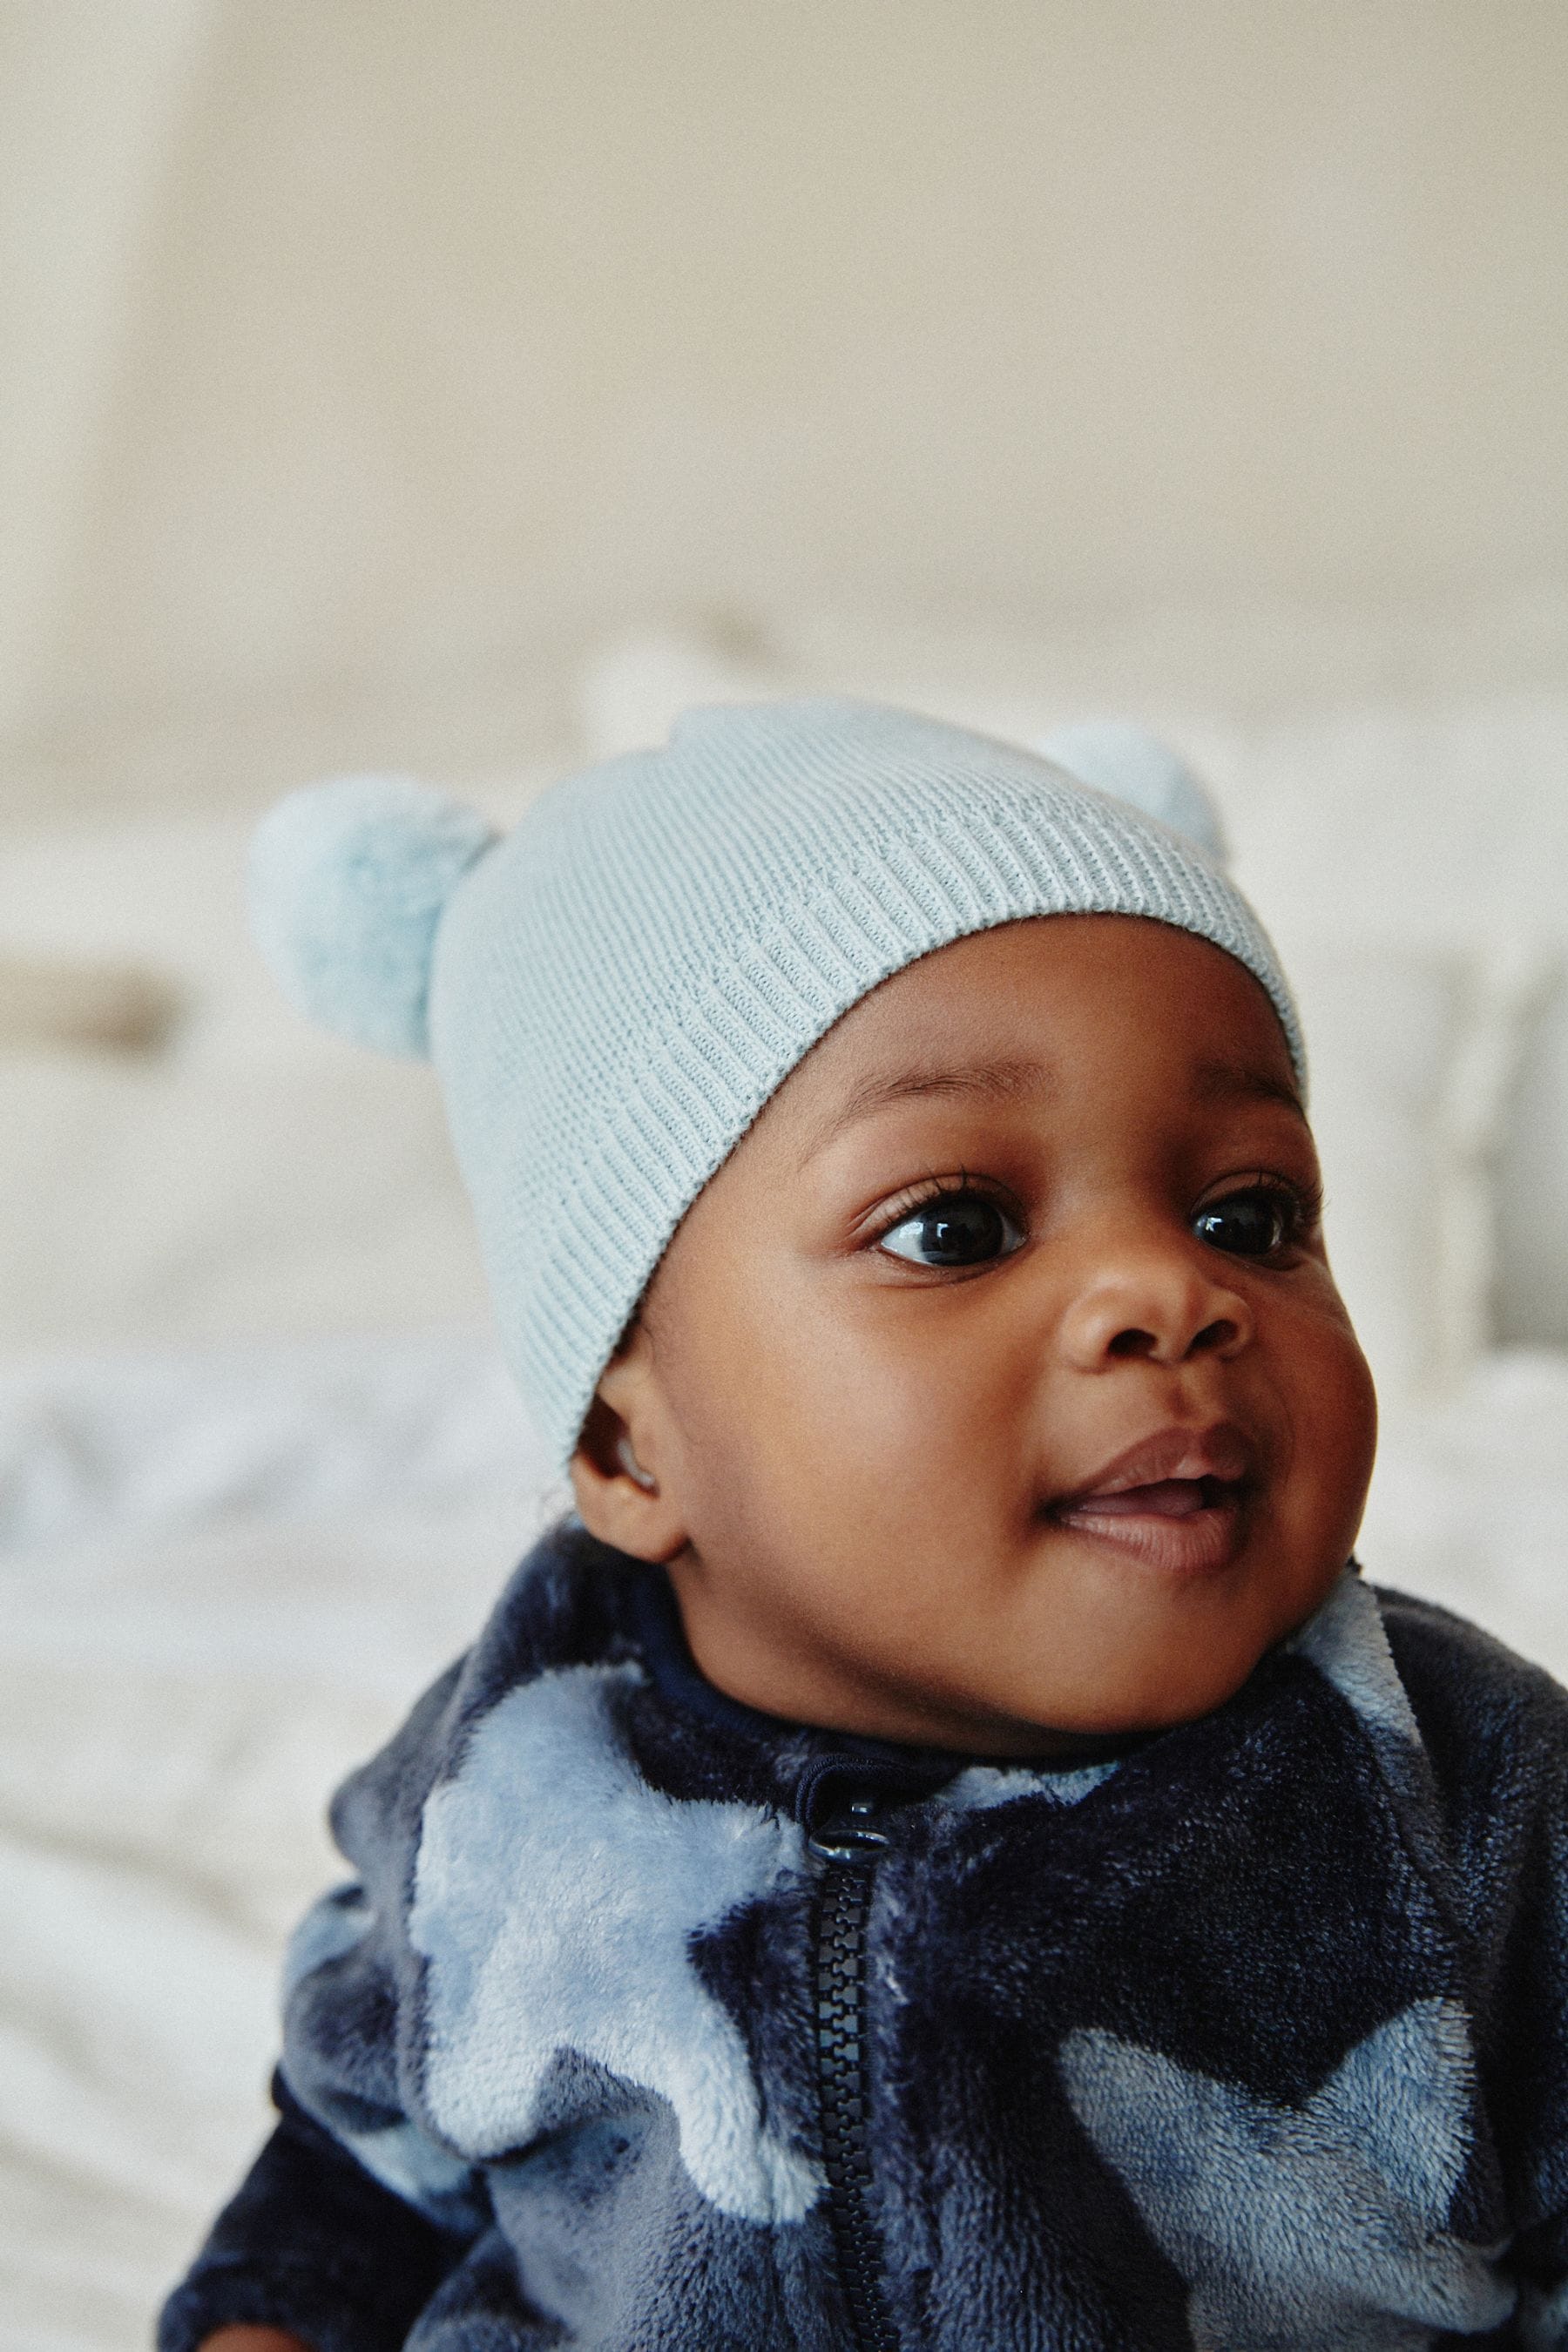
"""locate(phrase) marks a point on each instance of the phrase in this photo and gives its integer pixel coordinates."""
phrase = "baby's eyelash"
(1306, 1199)
(921, 1194)
(1302, 1200)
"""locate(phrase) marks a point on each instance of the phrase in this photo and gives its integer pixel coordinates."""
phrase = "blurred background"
(465, 388)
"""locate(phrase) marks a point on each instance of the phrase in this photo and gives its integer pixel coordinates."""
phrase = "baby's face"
(996, 1388)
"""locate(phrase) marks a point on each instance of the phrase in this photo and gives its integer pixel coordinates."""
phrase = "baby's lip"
(1222, 1451)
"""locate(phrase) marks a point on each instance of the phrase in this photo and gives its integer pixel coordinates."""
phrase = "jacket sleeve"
(311, 2242)
(352, 2214)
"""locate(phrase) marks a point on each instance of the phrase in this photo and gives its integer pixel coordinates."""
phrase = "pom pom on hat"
(348, 881)
(1114, 757)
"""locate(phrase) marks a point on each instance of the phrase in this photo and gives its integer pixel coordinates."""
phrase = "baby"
(942, 1849)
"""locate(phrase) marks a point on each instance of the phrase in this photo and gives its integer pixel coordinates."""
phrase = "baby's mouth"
(1162, 1498)
(1173, 1502)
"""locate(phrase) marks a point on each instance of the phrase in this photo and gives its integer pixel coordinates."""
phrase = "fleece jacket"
(647, 2020)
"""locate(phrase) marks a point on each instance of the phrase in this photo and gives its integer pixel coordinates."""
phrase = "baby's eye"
(1254, 1220)
(953, 1229)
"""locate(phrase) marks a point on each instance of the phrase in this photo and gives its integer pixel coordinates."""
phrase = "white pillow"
(173, 1202)
(1384, 1027)
(1529, 1295)
(257, 1177)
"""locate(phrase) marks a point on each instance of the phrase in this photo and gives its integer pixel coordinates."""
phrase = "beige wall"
(365, 362)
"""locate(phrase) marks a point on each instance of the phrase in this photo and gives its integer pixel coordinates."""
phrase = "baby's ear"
(621, 1470)
(1115, 757)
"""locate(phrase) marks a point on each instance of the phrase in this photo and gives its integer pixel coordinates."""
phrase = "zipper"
(849, 1845)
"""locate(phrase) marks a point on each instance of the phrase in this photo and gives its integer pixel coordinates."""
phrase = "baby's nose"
(1156, 1303)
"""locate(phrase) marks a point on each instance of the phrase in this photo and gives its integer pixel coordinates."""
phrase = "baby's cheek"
(1332, 1409)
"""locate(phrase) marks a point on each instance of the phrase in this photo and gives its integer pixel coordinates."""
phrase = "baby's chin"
(1094, 1715)
(1110, 1654)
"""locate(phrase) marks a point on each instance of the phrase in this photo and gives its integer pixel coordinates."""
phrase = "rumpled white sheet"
(226, 1573)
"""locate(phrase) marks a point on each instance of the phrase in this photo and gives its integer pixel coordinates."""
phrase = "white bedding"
(226, 1573)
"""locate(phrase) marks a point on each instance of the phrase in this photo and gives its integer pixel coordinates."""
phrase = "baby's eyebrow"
(1222, 1081)
(997, 1080)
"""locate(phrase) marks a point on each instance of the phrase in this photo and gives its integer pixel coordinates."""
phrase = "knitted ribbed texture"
(621, 984)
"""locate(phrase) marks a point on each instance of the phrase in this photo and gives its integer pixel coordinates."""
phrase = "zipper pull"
(850, 1834)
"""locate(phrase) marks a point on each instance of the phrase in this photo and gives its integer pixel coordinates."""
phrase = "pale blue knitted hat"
(611, 993)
